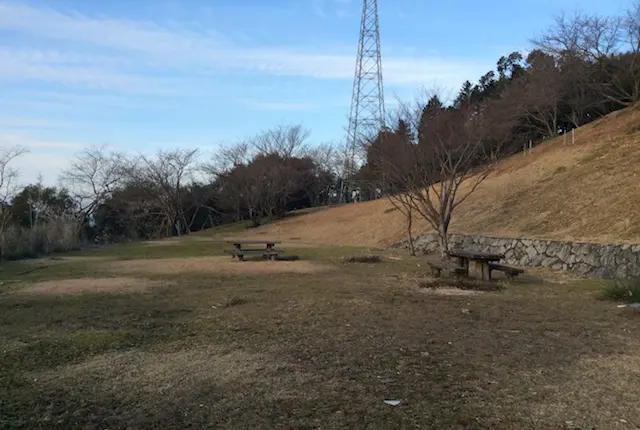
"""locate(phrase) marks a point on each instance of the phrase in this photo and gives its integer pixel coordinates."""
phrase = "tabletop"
(475, 255)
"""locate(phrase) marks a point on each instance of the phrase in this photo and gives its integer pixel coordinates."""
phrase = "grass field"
(173, 335)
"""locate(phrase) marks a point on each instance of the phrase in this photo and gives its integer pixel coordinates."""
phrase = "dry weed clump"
(363, 259)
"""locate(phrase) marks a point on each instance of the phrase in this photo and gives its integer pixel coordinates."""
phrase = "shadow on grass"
(62, 329)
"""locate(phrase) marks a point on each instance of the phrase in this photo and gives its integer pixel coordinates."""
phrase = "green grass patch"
(622, 291)
(172, 249)
(32, 271)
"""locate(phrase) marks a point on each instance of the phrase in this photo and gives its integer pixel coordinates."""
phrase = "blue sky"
(141, 75)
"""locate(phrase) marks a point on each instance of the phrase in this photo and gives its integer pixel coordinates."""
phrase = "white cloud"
(73, 69)
(35, 144)
(106, 49)
(46, 157)
(18, 122)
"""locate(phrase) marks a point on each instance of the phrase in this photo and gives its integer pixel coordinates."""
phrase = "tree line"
(107, 196)
(430, 157)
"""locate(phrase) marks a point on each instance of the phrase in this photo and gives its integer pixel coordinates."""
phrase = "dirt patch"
(218, 265)
(92, 285)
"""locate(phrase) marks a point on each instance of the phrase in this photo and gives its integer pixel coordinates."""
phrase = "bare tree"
(8, 187)
(236, 186)
(284, 141)
(164, 180)
(9, 175)
(456, 152)
(93, 176)
(388, 159)
(611, 45)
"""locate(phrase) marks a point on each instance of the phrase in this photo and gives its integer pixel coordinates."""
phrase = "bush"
(234, 301)
(57, 234)
(622, 291)
(364, 259)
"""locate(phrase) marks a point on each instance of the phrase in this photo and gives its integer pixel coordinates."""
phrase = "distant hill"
(587, 191)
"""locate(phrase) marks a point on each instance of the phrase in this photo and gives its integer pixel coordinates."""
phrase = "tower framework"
(367, 114)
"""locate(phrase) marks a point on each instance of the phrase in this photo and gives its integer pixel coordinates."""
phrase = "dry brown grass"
(91, 285)
(214, 265)
(587, 191)
(591, 378)
(450, 291)
(264, 352)
(135, 373)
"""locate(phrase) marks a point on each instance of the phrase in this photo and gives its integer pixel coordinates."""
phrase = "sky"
(143, 75)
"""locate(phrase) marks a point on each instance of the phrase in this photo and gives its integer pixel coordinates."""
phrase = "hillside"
(586, 191)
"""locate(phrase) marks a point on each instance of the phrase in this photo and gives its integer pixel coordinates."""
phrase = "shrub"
(234, 301)
(57, 234)
(622, 291)
(363, 259)
(288, 258)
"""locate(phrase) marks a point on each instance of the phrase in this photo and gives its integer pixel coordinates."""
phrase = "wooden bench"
(266, 253)
(511, 272)
(438, 266)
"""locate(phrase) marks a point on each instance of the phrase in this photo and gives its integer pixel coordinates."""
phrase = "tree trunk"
(256, 219)
(443, 241)
(412, 249)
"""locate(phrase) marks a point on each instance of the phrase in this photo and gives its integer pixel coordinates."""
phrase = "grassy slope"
(588, 191)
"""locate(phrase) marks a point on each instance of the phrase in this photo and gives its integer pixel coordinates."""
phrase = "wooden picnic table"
(482, 260)
(238, 243)
(268, 251)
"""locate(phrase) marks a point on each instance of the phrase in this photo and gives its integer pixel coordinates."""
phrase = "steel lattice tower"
(367, 113)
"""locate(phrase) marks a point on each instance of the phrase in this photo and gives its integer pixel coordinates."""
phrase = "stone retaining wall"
(585, 259)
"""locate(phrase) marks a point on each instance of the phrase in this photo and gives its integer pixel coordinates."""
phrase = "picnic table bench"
(438, 266)
(511, 272)
(269, 252)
